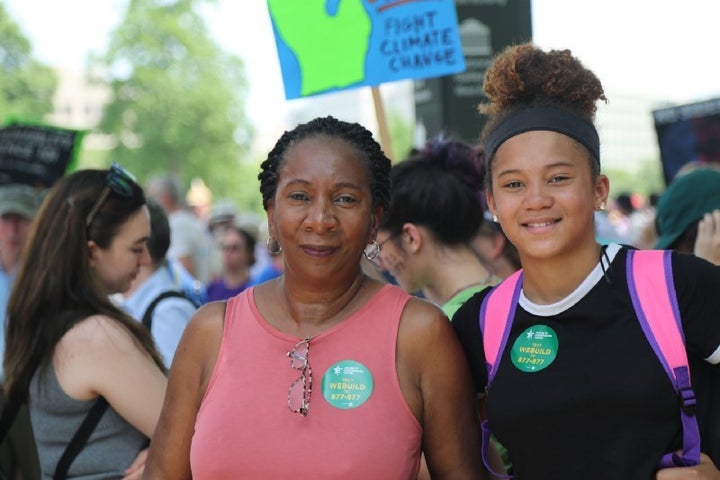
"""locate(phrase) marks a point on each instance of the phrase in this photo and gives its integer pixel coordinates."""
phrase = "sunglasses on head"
(117, 180)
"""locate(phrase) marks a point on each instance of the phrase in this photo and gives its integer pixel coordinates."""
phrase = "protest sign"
(36, 154)
(688, 134)
(331, 45)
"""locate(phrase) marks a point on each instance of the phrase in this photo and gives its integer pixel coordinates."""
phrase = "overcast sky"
(646, 47)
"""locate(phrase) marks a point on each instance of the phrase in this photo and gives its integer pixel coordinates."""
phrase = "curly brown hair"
(525, 76)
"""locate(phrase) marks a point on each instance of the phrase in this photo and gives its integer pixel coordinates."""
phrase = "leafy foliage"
(26, 86)
(178, 102)
(645, 180)
(401, 134)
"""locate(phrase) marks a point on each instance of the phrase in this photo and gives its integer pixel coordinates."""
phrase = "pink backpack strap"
(496, 316)
(652, 290)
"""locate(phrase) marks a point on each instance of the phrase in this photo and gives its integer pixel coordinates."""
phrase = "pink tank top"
(359, 425)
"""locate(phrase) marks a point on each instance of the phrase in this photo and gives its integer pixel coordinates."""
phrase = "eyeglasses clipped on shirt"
(301, 389)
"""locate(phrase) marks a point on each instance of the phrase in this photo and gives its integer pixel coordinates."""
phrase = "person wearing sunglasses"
(323, 372)
(69, 349)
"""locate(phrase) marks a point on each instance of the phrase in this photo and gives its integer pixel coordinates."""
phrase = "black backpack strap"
(80, 438)
(147, 317)
(9, 412)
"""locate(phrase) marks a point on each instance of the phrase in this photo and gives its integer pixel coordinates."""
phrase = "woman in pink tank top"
(323, 372)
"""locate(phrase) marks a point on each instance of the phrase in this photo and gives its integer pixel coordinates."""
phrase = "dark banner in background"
(688, 135)
(37, 155)
(448, 105)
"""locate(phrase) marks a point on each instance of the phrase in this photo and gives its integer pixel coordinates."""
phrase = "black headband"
(544, 118)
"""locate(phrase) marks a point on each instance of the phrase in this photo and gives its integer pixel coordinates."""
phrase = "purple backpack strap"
(652, 289)
(496, 317)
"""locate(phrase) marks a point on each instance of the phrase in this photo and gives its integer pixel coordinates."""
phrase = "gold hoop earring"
(374, 251)
(270, 243)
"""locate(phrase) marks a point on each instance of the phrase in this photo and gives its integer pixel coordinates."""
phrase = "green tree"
(401, 135)
(26, 86)
(646, 179)
(178, 103)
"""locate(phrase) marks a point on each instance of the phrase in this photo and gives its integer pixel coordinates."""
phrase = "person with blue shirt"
(170, 314)
(18, 205)
(238, 256)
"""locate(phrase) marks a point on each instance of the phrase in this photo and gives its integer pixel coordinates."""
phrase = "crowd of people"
(352, 334)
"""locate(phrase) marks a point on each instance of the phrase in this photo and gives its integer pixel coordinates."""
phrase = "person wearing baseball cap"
(688, 214)
(18, 205)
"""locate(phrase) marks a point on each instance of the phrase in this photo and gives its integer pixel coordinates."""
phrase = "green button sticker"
(347, 384)
(535, 348)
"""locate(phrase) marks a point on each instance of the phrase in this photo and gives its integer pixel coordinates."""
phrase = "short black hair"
(159, 241)
(440, 188)
(354, 134)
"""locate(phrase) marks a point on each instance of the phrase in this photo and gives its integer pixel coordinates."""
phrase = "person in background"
(222, 215)
(687, 218)
(495, 249)
(435, 213)
(574, 307)
(199, 199)
(323, 372)
(427, 235)
(67, 344)
(628, 216)
(491, 243)
(189, 243)
(18, 205)
(646, 222)
(238, 255)
(168, 315)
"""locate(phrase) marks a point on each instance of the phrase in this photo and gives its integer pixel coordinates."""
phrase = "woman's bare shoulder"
(208, 319)
(202, 339)
(98, 332)
(98, 353)
(424, 329)
(420, 314)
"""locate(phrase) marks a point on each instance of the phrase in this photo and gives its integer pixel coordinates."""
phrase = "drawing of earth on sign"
(330, 45)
